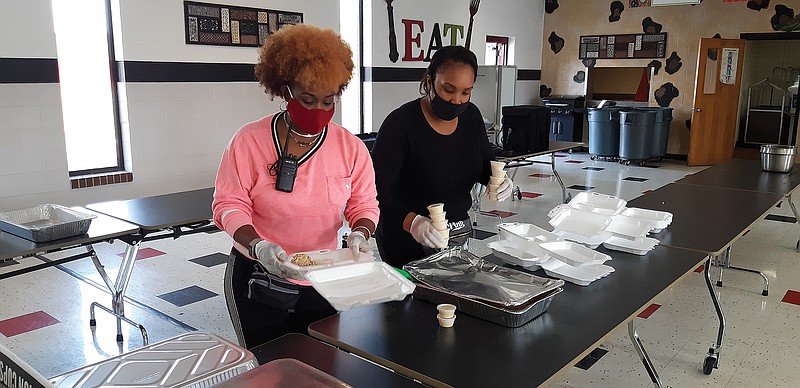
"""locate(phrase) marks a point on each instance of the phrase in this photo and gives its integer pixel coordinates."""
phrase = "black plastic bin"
(660, 130)
(604, 132)
(526, 128)
(635, 135)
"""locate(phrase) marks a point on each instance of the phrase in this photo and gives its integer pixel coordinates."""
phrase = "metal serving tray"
(515, 316)
(195, 360)
(45, 222)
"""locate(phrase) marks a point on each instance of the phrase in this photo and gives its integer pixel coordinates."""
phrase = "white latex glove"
(357, 242)
(505, 189)
(425, 233)
(272, 256)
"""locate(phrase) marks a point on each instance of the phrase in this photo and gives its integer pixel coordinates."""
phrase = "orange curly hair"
(311, 56)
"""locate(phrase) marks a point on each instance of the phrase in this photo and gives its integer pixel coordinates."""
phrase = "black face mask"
(446, 110)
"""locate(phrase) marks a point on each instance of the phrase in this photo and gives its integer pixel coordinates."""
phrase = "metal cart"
(763, 115)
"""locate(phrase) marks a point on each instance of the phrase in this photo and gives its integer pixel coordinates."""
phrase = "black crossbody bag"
(274, 291)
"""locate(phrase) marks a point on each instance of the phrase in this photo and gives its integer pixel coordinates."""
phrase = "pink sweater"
(337, 177)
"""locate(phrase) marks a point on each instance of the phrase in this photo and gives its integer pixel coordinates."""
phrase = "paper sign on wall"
(727, 71)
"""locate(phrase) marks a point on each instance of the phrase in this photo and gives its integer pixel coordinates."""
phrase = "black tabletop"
(102, 228)
(706, 218)
(326, 358)
(161, 211)
(405, 336)
(745, 174)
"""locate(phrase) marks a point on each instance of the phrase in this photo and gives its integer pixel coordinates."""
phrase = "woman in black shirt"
(431, 150)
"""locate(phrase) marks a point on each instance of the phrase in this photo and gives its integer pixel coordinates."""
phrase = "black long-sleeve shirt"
(416, 166)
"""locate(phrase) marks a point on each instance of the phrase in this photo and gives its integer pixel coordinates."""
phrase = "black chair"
(368, 139)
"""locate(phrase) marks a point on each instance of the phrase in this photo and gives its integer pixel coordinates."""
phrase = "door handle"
(698, 110)
(560, 125)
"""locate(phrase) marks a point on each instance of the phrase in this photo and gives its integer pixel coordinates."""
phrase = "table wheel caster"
(710, 362)
(517, 193)
(593, 157)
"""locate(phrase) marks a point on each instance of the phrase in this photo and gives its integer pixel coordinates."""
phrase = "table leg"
(712, 359)
(564, 195)
(117, 289)
(796, 217)
(726, 263)
(648, 365)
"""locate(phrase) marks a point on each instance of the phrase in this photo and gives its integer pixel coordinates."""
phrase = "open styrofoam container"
(590, 241)
(640, 246)
(525, 235)
(659, 219)
(581, 276)
(629, 227)
(327, 258)
(351, 285)
(512, 253)
(574, 254)
(579, 222)
(598, 203)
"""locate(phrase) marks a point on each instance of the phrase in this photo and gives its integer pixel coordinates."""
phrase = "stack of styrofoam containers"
(629, 230)
(519, 244)
(586, 218)
(574, 262)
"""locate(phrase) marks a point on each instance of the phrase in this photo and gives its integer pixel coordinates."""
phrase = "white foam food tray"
(522, 233)
(574, 254)
(639, 246)
(348, 286)
(629, 227)
(582, 276)
(327, 258)
(660, 219)
(511, 253)
(590, 241)
(580, 222)
(598, 203)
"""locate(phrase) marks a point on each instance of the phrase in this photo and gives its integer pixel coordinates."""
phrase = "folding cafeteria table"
(157, 217)
(707, 219)
(344, 366)
(405, 336)
(518, 160)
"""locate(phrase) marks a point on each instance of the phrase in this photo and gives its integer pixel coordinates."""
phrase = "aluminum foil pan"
(45, 222)
(466, 275)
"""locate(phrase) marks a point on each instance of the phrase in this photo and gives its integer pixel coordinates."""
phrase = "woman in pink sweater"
(284, 182)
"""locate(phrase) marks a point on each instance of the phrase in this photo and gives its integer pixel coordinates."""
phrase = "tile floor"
(177, 287)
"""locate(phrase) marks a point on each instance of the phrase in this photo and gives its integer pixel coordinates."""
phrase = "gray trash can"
(660, 130)
(604, 132)
(635, 135)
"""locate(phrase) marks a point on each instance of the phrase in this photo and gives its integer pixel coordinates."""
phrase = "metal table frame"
(513, 162)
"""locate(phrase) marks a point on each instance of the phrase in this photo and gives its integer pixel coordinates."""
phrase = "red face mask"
(310, 121)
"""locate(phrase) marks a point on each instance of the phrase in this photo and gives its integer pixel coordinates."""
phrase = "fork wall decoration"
(225, 25)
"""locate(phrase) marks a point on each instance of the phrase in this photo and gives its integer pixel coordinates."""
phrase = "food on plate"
(302, 259)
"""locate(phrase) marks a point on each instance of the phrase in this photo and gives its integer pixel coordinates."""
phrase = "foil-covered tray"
(465, 275)
(45, 222)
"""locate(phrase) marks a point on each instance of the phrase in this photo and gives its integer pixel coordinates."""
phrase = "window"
(88, 87)
(350, 29)
(496, 50)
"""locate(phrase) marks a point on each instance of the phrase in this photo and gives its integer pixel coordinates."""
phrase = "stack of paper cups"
(498, 176)
(439, 221)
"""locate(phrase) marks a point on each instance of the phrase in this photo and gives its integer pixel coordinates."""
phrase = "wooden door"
(716, 104)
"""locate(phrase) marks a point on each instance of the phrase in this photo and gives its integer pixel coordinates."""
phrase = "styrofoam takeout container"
(576, 221)
(582, 276)
(629, 227)
(590, 241)
(327, 258)
(525, 235)
(660, 219)
(512, 253)
(638, 246)
(574, 254)
(348, 286)
(598, 203)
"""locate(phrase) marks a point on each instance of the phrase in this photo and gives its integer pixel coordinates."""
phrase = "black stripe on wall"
(405, 74)
(143, 71)
(28, 71)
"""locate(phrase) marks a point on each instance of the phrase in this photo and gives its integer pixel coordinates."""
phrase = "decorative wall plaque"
(623, 46)
(226, 25)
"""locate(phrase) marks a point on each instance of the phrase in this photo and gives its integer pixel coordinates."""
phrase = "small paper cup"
(440, 225)
(446, 310)
(493, 188)
(499, 174)
(439, 217)
(444, 234)
(493, 196)
(496, 180)
(497, 166)
(436, 208)
(446, 322)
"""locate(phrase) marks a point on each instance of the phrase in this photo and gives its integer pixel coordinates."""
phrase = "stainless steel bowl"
(777, 158)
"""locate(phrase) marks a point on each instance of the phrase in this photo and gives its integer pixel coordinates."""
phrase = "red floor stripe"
(701, 268)
(502, 214)
(541, 175)
(649, 311)
(526, 194)
(145, 253)
(574, 161)
(25, 323)
(792, 297)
